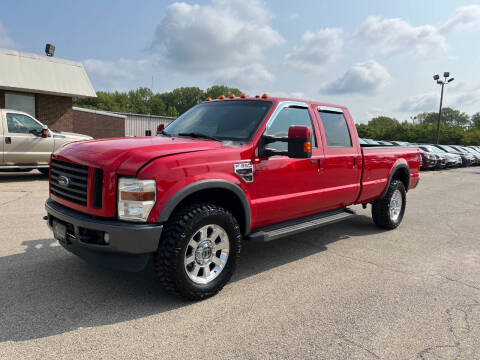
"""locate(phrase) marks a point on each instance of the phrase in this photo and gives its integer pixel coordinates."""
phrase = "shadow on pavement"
(22, 176)
(46, 291)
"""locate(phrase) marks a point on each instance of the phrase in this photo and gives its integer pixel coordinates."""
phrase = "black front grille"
(69, 181)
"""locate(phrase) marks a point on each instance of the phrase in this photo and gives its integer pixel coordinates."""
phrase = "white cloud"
(200, 37)
(5, 40)
(316, 50)
(394, 36)
(465, 18)
(426, 102)
(120, 73)
(362, 78)
(248, 77)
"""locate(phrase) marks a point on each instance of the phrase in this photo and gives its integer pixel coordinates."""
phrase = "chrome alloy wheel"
(395, 207)
(206, 254)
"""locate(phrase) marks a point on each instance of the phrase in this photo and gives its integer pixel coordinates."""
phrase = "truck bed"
(378, 161)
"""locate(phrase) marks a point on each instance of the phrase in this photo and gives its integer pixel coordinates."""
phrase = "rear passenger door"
(341, 169)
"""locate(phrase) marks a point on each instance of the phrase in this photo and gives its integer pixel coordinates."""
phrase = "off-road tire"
(381, 207)
(169, 258)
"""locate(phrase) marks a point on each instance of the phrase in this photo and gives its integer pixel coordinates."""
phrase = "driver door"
(23, 142)
(285, 188)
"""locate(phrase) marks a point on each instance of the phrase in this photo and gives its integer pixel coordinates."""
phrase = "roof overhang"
(34, 73)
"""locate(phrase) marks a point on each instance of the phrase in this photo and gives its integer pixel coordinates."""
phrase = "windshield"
(449, 149)
(224, 120)
(435, 149)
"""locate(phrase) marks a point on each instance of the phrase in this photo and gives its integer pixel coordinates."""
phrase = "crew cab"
(26, 144)
(228, 170)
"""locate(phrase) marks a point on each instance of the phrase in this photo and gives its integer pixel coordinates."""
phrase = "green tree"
(475, 121)
(216, 90)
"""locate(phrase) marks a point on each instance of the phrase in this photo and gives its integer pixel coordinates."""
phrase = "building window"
(20, 102)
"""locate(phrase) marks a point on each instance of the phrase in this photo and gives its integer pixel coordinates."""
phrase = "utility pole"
(444, 82)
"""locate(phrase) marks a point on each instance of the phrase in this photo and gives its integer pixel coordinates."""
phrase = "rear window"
(336, 129)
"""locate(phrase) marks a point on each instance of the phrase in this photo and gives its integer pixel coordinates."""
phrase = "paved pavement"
(347, 291)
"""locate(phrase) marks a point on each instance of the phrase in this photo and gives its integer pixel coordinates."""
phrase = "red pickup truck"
(228, 170)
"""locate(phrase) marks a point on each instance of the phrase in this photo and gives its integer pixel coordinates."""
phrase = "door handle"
(354, 161)
(8, 140)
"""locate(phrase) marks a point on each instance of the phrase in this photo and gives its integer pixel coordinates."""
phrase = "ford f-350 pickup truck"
(228, 170)
(26, 144)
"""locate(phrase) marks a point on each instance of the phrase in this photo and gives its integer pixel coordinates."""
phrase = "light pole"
(444, 82)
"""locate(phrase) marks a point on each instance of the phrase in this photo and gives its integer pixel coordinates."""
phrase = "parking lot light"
(444, 82)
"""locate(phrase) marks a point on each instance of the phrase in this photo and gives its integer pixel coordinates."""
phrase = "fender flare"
(392, 173)
(176, 199)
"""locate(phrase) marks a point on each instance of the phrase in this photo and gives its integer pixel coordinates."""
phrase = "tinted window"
(225, 120)
(336, 129)
(23, 124)
(288, 117)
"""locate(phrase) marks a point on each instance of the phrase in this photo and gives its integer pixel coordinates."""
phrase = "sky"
(375, 57)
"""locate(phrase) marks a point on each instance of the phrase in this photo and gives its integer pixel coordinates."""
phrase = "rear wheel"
(199, 251)
(387, 212)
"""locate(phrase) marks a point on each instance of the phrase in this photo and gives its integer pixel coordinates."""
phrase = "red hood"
(127, 155)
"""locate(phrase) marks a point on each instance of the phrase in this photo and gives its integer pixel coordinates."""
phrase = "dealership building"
(46, 86)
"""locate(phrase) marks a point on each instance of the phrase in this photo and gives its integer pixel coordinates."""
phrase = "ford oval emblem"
(63, 180)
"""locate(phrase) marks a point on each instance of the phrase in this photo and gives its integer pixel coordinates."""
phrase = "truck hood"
(126, 155)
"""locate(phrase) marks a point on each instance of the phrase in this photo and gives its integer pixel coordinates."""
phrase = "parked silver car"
(27, 143)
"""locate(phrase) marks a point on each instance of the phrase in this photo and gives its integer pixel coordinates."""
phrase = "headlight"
(136, 198)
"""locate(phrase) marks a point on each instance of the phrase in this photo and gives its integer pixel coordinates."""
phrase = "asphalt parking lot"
(347, 291)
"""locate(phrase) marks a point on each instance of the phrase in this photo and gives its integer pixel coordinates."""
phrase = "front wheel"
(199, 251)
(387, 212)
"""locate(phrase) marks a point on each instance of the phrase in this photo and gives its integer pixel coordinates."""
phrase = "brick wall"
(98, 124)
(2, 99)
(55, 111)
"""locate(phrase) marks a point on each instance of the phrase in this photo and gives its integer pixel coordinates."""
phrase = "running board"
(296, 226)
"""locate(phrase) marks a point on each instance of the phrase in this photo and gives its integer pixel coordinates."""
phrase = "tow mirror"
(160, 128)
(44, 131)
(299, 142)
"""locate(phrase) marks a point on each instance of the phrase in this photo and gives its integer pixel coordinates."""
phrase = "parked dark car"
(401, 143)
(471, 158)
(429, 159)
(466, 160)
(475, 154)
(443, 159)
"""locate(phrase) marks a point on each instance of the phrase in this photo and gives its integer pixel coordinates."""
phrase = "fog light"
(106, 238)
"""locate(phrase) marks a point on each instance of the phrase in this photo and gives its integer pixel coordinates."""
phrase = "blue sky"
(375, 57)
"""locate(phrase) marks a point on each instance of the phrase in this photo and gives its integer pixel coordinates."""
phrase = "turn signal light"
(307, 147)
(264, 96)
(231, 96)
(243, 96)
(208, 99)
(221, 97)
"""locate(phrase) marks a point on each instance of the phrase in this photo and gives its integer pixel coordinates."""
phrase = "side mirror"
(299, 142)
(160, 128)
(44, 131)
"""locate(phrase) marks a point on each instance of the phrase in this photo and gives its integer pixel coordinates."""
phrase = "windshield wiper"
(163, 132)
(199, 135)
